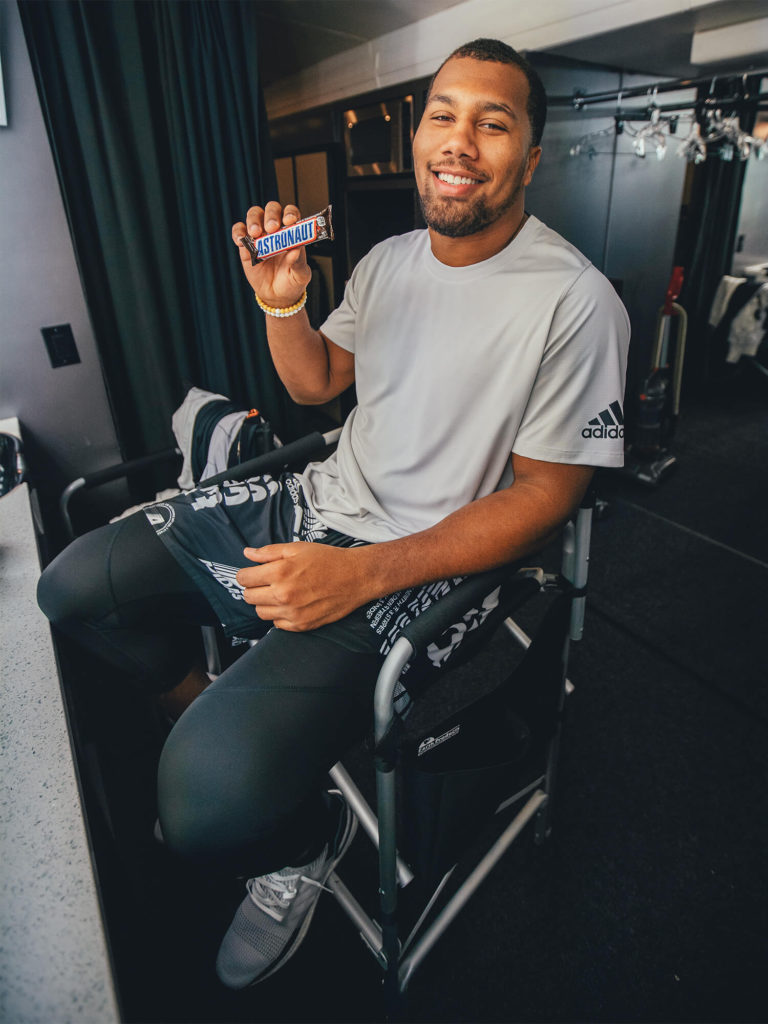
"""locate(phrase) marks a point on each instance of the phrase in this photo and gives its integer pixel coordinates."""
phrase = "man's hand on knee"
(301, 586)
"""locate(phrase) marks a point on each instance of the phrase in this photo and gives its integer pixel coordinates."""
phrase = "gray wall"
(620, 210)
(571, 194)
(64, 412)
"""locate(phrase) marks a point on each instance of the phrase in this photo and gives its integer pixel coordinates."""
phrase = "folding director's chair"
(497, 754)
(449, 785)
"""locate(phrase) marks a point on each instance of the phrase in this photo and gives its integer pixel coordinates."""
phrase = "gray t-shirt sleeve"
(575, 410)
(340, 326)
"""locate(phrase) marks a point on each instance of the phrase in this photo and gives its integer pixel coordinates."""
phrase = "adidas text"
(603, 431)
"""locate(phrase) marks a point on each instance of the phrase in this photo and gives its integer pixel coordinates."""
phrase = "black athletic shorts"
(206, 530)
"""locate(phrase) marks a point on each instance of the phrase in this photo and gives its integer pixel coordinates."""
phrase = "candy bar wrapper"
(316, 228)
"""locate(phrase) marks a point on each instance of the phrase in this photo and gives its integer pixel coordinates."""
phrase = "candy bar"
(316, 228)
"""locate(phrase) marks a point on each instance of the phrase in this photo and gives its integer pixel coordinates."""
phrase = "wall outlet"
(60, 343)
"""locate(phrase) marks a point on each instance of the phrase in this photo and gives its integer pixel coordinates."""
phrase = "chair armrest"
(431, 623)
(516, 586)
(295, 451)
(122, 469)
(106, 475)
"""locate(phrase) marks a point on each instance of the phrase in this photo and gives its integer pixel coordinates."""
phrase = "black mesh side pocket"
(455, 777)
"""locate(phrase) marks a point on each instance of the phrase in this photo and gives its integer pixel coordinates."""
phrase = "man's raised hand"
(280, 280)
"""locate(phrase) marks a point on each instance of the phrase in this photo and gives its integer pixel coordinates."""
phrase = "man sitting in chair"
(484, 350)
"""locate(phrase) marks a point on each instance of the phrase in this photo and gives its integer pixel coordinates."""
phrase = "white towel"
(725, 290)
(183, 424)
(748, 327)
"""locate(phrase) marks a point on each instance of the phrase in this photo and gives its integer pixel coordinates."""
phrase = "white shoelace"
(273, 893)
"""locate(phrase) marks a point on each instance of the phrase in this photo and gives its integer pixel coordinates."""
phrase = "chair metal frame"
(399, 959)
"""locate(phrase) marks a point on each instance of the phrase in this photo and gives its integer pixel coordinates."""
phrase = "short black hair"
(501, 53)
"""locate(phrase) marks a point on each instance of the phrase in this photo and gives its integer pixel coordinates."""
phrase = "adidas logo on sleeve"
(609, 423)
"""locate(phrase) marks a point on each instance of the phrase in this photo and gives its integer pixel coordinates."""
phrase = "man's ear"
(534, 155)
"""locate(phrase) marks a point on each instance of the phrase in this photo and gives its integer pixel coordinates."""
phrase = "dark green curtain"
(159, 135)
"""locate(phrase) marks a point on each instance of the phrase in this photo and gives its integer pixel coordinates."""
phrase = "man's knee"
(64, 589)
(229, 788)
(200, 787)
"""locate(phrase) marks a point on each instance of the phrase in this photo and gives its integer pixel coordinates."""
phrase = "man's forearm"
(493, 531)
(301, 358)
(301, 586)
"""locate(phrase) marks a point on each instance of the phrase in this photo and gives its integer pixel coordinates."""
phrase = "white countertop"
(54, 962)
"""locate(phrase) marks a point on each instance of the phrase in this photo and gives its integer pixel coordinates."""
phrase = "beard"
(455, 219)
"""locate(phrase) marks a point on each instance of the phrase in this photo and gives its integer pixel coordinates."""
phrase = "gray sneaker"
(271, 922)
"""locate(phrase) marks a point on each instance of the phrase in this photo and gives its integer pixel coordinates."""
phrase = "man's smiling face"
(472, 152)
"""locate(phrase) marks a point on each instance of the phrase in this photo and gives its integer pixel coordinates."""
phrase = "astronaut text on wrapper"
(316, 228)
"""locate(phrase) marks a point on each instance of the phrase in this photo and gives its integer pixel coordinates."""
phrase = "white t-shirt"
(457, 367)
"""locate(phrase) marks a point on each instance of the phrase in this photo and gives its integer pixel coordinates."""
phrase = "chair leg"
(395, 1000)
(385, 791)
(211, 647)
(344, 782)
(421, 948)
(542, 826)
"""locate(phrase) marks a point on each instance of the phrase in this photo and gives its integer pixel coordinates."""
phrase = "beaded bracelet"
(285, 310)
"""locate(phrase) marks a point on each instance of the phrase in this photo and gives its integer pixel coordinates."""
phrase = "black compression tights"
(242, 772)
